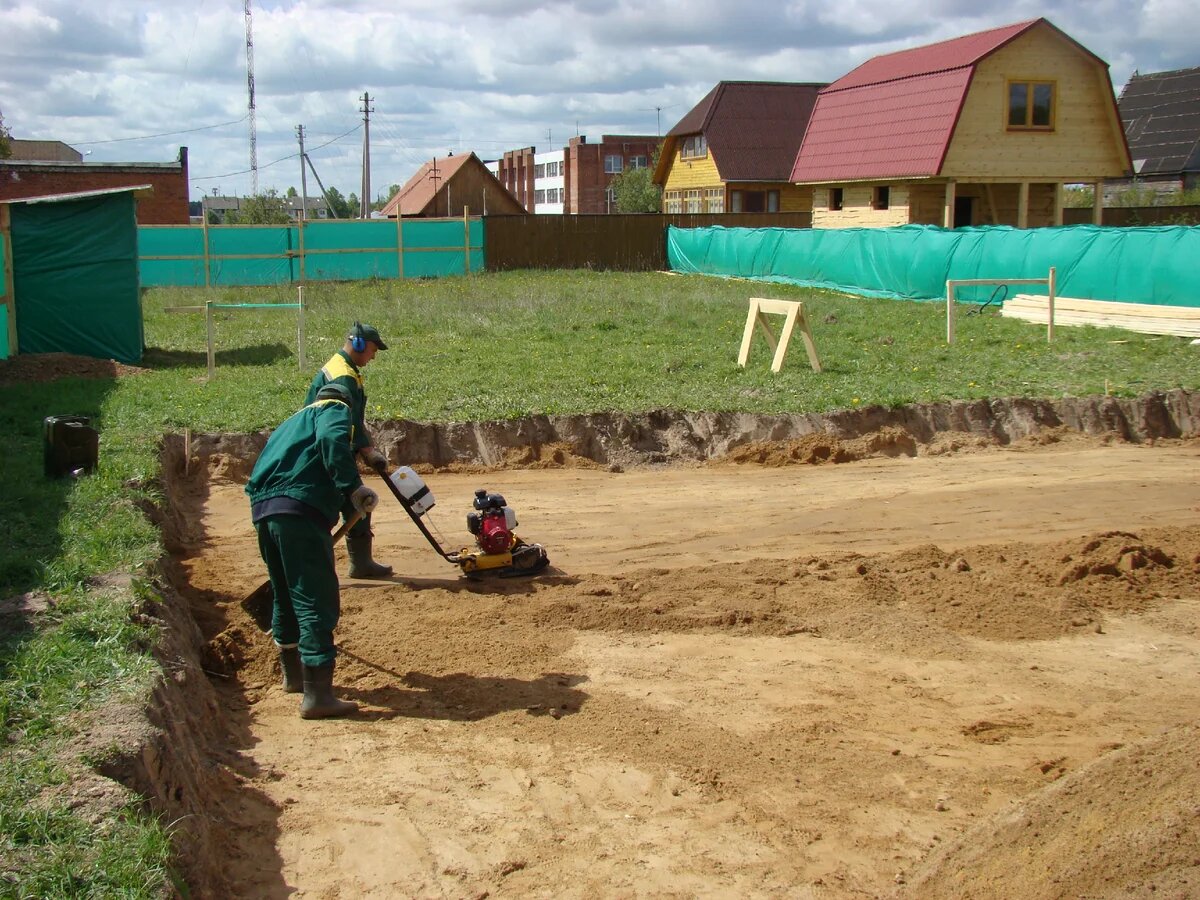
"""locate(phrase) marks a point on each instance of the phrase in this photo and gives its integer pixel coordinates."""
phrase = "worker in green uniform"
(304, 476)
(345, 368)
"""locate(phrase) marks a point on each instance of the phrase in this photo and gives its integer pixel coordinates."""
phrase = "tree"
(261, 209)
(393, 190)
(5, 140)
(291, 193)
(353, 207)
(636, 192)
(337, 203)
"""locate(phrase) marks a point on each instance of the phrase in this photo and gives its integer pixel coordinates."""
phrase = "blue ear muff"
(358, 343)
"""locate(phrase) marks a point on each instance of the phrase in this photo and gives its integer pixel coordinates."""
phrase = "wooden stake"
(208, 325)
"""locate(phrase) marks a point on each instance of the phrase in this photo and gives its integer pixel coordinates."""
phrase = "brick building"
(577, 179)
(591, 168)
(63, 174)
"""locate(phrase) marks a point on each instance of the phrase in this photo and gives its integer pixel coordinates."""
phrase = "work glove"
(364, 499)
(373, 458)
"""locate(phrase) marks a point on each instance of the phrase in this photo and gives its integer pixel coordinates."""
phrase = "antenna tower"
(250, 87)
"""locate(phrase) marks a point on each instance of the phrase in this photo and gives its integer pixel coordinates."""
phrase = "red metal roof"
(952, 54)
(894, 115)
(899, 131)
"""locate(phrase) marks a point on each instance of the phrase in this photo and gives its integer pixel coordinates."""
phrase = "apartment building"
(576, 180)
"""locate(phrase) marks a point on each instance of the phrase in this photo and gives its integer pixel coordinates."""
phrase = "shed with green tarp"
(71, 275)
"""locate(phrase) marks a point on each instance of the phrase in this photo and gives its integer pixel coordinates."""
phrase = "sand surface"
(741, 680)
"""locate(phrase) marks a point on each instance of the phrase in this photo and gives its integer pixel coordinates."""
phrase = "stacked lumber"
(1147, 318)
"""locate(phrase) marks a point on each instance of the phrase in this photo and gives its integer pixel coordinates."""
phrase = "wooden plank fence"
(628, 243)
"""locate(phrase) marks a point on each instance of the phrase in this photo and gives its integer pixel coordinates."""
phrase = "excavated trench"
(745, 672)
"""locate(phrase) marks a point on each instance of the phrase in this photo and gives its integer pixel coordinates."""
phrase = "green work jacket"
(341, 369)
(309, 458)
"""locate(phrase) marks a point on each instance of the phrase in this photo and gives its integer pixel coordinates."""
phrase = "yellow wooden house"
(733, 152)
(983, 129)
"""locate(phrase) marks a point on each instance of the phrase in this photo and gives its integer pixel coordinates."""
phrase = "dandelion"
(855, 400)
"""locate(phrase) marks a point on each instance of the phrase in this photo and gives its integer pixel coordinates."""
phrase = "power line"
(278, 161)
(146, 137)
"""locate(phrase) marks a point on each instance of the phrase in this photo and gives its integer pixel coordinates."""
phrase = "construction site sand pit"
(968, 672)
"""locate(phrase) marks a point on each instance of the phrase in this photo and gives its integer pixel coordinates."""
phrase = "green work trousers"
(299, 558)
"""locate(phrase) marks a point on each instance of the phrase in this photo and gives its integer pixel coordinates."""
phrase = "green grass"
(475, 348)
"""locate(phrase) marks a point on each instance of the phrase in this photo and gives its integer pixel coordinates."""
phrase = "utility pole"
(250, 87)
(365, 204)
(303, 175)
(435, 177)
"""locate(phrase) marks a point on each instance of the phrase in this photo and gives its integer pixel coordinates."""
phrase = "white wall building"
(549, 182)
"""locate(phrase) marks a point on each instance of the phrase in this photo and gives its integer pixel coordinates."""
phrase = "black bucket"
(70, 446)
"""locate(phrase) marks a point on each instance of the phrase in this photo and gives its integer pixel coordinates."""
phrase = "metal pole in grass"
(208, 324)
(300, 325)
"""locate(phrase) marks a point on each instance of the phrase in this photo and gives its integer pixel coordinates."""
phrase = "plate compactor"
(497, 551)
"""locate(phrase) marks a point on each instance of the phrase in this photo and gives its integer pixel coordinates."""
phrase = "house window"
(881, 197)
(613, 165)
(753, 201)
(692, 202)
(1031, 105)
(539, 198)
(539, 171)
(673, 202)
(610, 200)
(714, 200)
(835, 199)
(693, 147)
(551, 169)
(638, 162)
(772, 201)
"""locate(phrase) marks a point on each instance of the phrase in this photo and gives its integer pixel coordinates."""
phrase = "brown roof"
(418, 192)
(1161, 113)
(43, 151)
(753, 128)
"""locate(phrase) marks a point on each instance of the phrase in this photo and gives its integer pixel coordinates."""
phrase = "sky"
(125, 81)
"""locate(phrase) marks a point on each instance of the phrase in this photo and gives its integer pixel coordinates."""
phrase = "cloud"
(456, 75)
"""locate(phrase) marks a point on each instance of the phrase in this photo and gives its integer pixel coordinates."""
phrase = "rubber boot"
(361, 564)
(319, 702)
(293, 675)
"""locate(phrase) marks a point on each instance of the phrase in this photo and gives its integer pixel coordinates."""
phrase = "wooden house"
(733, 152)
(446, 186)
(979, 130)
(1161, 114)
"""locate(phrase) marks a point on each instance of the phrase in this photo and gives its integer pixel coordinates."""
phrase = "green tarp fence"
(914, 262)
(5, 300)
(340, 250)
(75, 277)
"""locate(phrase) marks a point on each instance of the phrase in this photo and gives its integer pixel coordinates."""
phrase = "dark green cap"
(367, 333)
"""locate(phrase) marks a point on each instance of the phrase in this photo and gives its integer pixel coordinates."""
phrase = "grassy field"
(460, 349)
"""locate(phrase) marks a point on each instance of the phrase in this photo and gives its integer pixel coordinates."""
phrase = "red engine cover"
(494, 536)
